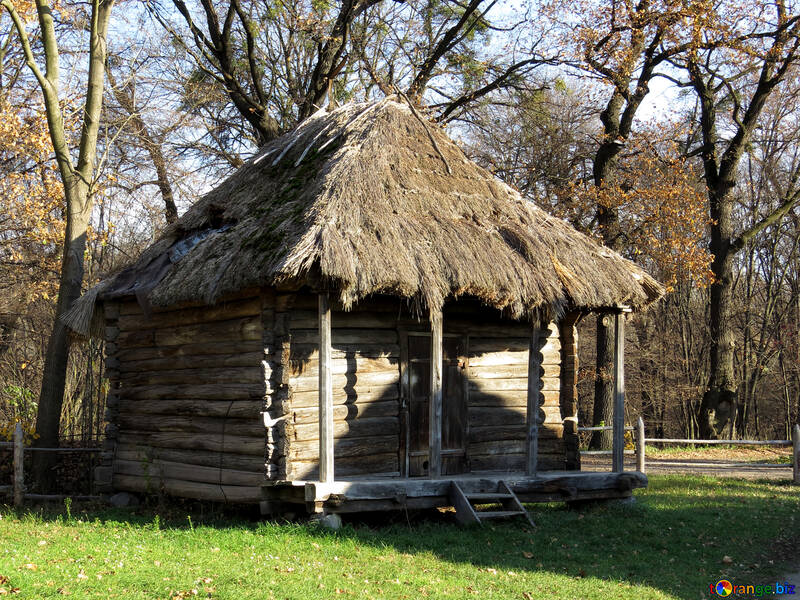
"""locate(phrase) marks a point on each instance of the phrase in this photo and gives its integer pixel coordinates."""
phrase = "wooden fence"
(641, 442)
(17, 488)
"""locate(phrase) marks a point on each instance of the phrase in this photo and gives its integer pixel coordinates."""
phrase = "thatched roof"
(371, 198)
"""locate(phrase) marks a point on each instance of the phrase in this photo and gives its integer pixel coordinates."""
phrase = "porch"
(381, 494)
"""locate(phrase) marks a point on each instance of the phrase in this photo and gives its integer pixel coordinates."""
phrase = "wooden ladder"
(465, 503)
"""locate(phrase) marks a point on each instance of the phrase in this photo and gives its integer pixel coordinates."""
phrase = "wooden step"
(499, 514)
(488, 498)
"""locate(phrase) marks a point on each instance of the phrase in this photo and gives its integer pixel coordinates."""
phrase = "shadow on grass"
(678, 538)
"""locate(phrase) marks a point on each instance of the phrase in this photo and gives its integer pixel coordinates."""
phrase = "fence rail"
(641, 442)
(18, 486)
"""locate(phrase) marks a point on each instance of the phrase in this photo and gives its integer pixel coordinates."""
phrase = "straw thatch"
(371, 198)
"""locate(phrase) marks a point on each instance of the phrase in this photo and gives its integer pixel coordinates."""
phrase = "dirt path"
(715, 462)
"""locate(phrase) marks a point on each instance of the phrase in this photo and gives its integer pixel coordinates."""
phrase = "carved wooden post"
(435, 405)
(325, 392)
(534, 384)
(640, 466)
(19, 470)
(618, 449)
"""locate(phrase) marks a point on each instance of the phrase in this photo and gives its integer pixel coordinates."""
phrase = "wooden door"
(454, 404)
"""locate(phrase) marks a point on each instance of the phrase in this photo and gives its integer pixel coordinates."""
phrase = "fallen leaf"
(727, 560)
(527, 554)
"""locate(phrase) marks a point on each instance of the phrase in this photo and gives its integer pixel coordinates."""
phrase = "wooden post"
(618, 448)
(325, 392)
(534, 384)
(19, 469)
(796, 458)
(435, 405)
(640, 445)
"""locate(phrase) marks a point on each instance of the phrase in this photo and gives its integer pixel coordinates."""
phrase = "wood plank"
(348, 466)
(490, 359)
(206, 458)
(349, 446)
(211, 361)
(341, 366)
(190, 489)
(215, 442)
(194, 424)
(223, 376)
(347, 412)
(483, 417)
(359, 394)
(242, 329)
(356, 428)
(230, 391)
(346, 380)
(509, 398)
(355, 319)
(325, 385)
(162, 469)
(347, 336)
(489, 385)
(217, 348)
(192, 407)
(225, 311)
(303, 352)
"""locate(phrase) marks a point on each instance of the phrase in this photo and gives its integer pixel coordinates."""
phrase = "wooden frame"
(435, 418)
(618, 434)
(532, 411)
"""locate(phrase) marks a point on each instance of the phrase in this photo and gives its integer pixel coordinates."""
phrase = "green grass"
(670, 544)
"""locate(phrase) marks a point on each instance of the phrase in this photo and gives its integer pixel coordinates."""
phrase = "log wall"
(498, 384)
(569, 389)
(188, 387)
(365, 379)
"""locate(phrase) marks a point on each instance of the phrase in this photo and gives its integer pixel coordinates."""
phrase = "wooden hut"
(359, 318)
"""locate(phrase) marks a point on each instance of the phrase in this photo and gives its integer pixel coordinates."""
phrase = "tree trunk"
(719, 400)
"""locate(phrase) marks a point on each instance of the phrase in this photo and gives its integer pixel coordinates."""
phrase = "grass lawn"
(683, 534)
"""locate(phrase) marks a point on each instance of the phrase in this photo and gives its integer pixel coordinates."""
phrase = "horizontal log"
(192, 424)
(307, 301)
(347, 466)
(161, 469)
(347, 336)
(390, 408)
(225, 311)
(340, 366)
(205, 458)
(516, 462)
(509, 398)
(301, 352)
(489, 359)
(229, 391)
(215, 442)
(346, 381)
(364, 446)
(233, 330)
(193, 407)
(210, 361)
(552, 384)
(546, 447)
(358, 395)
(190, 489)
(355, 428)
(481, 417)
(251, 374)
(218, 348)
(356, 319)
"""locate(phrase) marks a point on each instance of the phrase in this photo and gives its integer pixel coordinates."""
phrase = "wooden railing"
(641, 442)
(17, 488)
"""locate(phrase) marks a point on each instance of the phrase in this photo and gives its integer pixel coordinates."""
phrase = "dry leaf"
(527, 554)
(727, 560)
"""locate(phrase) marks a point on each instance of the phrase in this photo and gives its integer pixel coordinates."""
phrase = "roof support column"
(325, 392)
(534, 385)
(618, 448)
(435, 404)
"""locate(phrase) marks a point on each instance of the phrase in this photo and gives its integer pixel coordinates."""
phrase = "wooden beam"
(796, 453)
(618, 448)
(640, 444)
(435, 405)
(325, 392)
(534, 383)
(19, 473)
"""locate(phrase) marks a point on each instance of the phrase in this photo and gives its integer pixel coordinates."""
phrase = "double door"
(416, 403)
